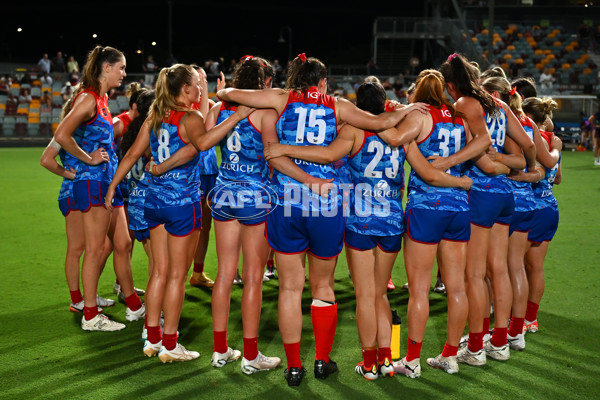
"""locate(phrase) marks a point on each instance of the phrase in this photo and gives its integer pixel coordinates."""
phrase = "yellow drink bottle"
(396, 325)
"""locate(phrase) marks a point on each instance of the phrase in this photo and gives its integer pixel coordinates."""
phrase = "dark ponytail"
(144, 101)
(464, 75)
(251, 72)
(305, 73)
(93, 66)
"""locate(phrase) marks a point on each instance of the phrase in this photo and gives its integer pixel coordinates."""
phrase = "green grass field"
(45, 354)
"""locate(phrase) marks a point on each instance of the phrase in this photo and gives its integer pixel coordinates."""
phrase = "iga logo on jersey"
(234, 158)
(446, 113)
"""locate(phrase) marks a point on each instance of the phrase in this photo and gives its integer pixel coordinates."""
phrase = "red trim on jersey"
(547, 136)
(98, 105)
(174, 119)
(365, 136)
(126, 119)
(227, 106)
(311, 96)
(251, 124)
(438, 115)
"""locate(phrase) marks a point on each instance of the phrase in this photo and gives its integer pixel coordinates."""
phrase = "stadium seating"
(534, 48)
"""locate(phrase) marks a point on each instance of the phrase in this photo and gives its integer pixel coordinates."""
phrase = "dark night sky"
(338, 32)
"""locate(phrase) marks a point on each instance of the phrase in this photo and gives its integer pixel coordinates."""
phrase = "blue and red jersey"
(179, 186)
(208, 159)
(92, 135)
(447, 137)
(138, 182)
(309, 119)
(523, 191)
(376, 199)
(496, 124)
(243, 163)
(542, 190)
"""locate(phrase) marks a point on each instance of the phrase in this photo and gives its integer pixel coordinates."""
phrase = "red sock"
(199, 267)
(220, 338)
(383, 353)
(292, 354)
(499, 337)
(449, 351)
(133, 302)
(153, 334)
(369, 358)
(270, 264)
(117, 281)
(324, 321)
(250, 348)
(169, 341)
(414, 350)
(486, 325)
(476, 341)
(76, 296)
(532, 310)
(516, 326)
(90, 312)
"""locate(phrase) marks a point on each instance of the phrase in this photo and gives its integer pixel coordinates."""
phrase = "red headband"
(452, 56)
(513, 91)
(302, 56)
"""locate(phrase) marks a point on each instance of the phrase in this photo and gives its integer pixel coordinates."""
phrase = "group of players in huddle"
(302, 174)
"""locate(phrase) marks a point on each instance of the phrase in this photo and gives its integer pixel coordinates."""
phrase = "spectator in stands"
(25, 97)
(515, 70)
(150, 66)
(332, 85)
(213, 67)
(74, 78)
(12, 101)
(546, 81)
(585, 36)
(72, 65)
(46, 79)
(171, 60)
(399, 86)
(58, 63)
(372, 67)
(278, 70)
(47, 100)
(4, 86)
(44, 63)
(66, 91)
(26, 79)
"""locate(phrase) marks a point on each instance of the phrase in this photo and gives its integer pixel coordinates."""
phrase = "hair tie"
(246, 58)
(452, 56)
(513, 91)
(302, 56)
